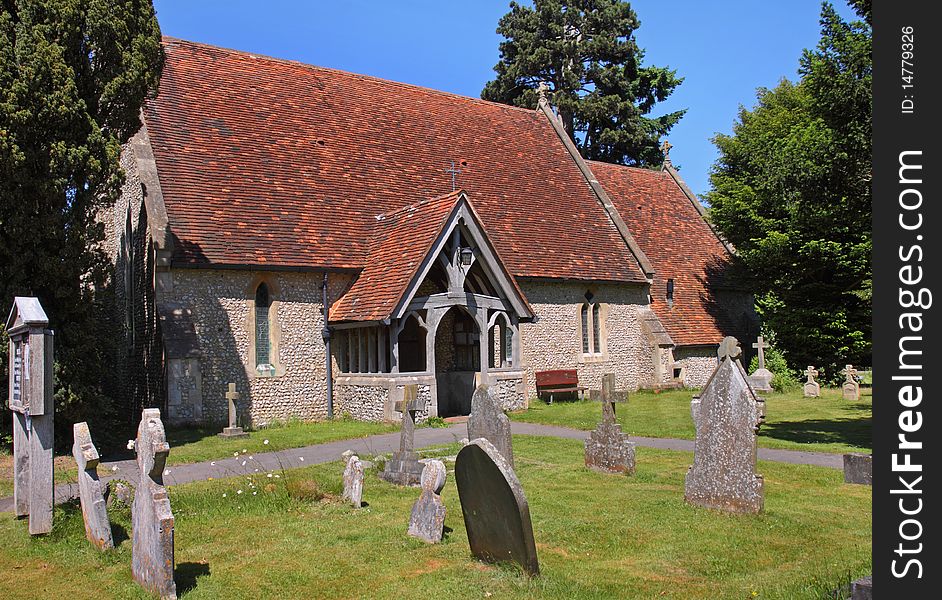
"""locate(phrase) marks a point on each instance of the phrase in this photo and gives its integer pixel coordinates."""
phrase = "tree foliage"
(73, 76)
(585, 51)
(791, 191)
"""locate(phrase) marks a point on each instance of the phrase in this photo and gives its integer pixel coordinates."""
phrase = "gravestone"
(858, 468)
(31, 401)
(496, 513)
(152, 519)
(404, 467)
(850, 388)
(353, 481)
(761, 378)
(91, 491)
(726, 414)
(607, 449)
(812, 388)
(233, 430)
(427, 521)
(488, 421)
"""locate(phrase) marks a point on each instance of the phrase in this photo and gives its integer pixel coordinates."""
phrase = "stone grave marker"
(812, 388)
(427, 521)
(152, 519)
(233, 430)
(353, 481)
(91, 493)
(761, 378)
(496, 513)
(404, 467)
(488, 421)
(858, 468)
(726, 414)
(607, 449)
(31, 401)
(850, 388)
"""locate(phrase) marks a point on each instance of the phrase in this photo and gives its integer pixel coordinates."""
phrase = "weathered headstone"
(761, 378)
(31, 400)
(91, 491)
(726, 414)
(353, 481)
(607, 449)
(233, 430)
(152, 519)
(496, 513)
(427, 521)
(850, 388)
(488, 421)
(404, 467)
(858, 468)
(812, 388)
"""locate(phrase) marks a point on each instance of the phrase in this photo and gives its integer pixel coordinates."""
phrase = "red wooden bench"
(557, 383)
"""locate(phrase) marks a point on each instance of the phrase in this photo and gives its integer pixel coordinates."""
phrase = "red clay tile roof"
(275, 163)
(682, 246)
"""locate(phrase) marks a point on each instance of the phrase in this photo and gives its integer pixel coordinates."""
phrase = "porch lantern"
(467, 256)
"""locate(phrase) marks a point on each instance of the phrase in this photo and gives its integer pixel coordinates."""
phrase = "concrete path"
(247, 464)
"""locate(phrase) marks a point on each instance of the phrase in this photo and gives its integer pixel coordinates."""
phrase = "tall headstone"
(607, 449)
(31, 400)
(761, 378)
(726, 414)
(850, 388)
(233, 430)
(488, 421)
(496, 513)
(353, 481)
(91, 494)
(812, 388)
(427, 521)
(404, 467)
(152, 519)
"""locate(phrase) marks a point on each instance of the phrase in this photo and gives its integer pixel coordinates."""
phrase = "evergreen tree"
(585, 51)
(73, 77)
(791, 191)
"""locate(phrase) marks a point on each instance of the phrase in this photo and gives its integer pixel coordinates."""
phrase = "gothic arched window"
(262, 328)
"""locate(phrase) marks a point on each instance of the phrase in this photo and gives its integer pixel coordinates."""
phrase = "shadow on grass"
(852, 432)
(187, 575)
(119, 534)
(190, 435)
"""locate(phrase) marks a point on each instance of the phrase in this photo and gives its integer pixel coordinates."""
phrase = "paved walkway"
(246, 464)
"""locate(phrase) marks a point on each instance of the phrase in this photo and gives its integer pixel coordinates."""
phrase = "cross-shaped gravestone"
(94, 508)
(851, 389)
(760, 345)
(232, 431)
(812, 388)
(607, 448)
(404, 467)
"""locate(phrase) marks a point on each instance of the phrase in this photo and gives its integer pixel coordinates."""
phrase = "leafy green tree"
(791, 191)
(73, 77)
(585, 52)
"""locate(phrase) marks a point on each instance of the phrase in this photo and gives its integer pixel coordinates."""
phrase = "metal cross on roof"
(454, 175)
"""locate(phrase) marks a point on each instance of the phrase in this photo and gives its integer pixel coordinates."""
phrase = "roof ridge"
(171, 39)
(632, 167)
(415, 205)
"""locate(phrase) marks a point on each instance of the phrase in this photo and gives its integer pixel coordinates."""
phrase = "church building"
(322, 239)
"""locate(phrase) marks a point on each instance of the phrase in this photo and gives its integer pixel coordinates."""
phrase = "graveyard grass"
(598, 536)
(792, 422)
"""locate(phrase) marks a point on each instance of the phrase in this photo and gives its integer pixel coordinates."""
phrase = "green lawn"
(598, 536)
(825, 424)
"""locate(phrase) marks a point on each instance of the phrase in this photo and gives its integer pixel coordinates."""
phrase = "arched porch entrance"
(457, 361)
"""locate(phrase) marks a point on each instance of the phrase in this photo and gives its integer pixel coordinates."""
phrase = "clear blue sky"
(724, 49)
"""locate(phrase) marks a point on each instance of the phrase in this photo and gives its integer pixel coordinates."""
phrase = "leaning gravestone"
(427, 521)
(850, 389)
(353, 481)
(496, 514)
(91, 495)
(488, 421)
(607, 449)
(31, 400)
(152, 519)
(404, 467)
(726, 414)
(233, 430)
(761, 378)
(812, 388)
